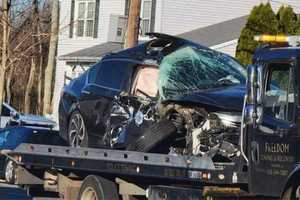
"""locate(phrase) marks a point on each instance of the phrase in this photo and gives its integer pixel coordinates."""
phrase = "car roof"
(167, 43)
(276, 53)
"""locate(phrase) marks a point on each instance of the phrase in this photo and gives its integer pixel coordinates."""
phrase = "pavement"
(12, 192)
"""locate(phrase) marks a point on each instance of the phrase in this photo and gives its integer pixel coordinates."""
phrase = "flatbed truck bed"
(63, 169)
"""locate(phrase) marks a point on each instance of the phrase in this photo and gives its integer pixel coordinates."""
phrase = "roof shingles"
(94, 52)
(217, 33)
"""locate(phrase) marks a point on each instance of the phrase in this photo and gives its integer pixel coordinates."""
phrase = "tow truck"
(266, 168)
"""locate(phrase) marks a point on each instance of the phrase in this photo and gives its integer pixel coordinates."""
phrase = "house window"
(146, 10)
(85, 18)
(147, 15)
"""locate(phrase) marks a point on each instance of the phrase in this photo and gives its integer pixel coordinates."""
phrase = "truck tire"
(98, 188)
(291, 193)
(153, 137)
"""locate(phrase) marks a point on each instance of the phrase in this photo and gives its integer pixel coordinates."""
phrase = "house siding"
(178, 16)
(67, 45)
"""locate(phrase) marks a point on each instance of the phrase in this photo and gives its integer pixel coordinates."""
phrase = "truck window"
(114, 75)
(279, 98)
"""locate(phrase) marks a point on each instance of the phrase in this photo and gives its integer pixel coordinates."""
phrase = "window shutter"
(97, 11)
(153, 11)
(72, 19)
(127, 7)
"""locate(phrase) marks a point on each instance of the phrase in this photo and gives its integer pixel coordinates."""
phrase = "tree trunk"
(4, 50)
(29, 87)
(31, 79)
(8, 85)
(51, 58)
(40, 62)
(40, 84)
(133, 24)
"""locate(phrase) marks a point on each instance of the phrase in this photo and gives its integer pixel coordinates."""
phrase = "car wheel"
(10, 172)
(77, 133)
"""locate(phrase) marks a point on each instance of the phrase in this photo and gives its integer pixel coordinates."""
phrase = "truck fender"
(293, 178)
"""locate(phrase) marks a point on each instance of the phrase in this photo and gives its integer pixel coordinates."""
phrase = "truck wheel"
(98, 188)
(10, 172)
(153, 137)
(77, 133)
(291, 193)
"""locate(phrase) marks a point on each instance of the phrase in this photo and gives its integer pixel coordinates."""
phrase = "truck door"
(272, 143)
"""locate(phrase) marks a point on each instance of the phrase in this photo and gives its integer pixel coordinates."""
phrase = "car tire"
(77, 133)
(96, 187)
(10, 171)
(153, 138)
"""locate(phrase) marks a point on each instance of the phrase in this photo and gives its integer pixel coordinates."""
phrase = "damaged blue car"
(168, 95)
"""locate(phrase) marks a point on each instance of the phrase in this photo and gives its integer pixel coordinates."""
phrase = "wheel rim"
(77, 131)
(9, 171)
(297, 195)
(89, 194)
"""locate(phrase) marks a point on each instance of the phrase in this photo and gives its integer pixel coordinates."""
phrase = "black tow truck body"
(267, 165)
(273, 140)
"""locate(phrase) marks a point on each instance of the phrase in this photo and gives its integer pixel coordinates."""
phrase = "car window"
(114, 74)
(145, 81)
(279, 98)
(93, 72)
(5, 111)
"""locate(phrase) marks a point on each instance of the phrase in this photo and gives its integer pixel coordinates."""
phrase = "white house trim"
(225, 44)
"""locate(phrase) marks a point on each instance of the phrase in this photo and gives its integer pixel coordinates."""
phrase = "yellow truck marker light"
(291, 40)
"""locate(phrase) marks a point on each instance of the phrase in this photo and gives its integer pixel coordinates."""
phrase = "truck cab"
(272, 122)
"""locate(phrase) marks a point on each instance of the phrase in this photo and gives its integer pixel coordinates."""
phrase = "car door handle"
(255, 152)
(86, 92)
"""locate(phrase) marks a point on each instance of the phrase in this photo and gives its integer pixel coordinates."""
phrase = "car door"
(273, 143)
(105, 82)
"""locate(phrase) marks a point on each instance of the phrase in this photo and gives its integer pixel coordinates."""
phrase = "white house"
(91, 28)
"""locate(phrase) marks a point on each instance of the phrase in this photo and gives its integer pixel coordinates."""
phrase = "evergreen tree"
(297, 28)
(262, 20)
(287, 20)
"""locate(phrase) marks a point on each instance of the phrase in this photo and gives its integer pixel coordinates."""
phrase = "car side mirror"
(251, 84)
(253, 110)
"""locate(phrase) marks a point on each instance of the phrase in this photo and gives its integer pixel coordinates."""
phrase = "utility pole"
(51, 57)
(133, 24)
(4, 49)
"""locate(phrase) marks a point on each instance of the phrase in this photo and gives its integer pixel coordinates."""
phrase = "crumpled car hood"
(229, 98)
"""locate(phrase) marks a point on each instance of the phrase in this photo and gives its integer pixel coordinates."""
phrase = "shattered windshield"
(190, 69)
